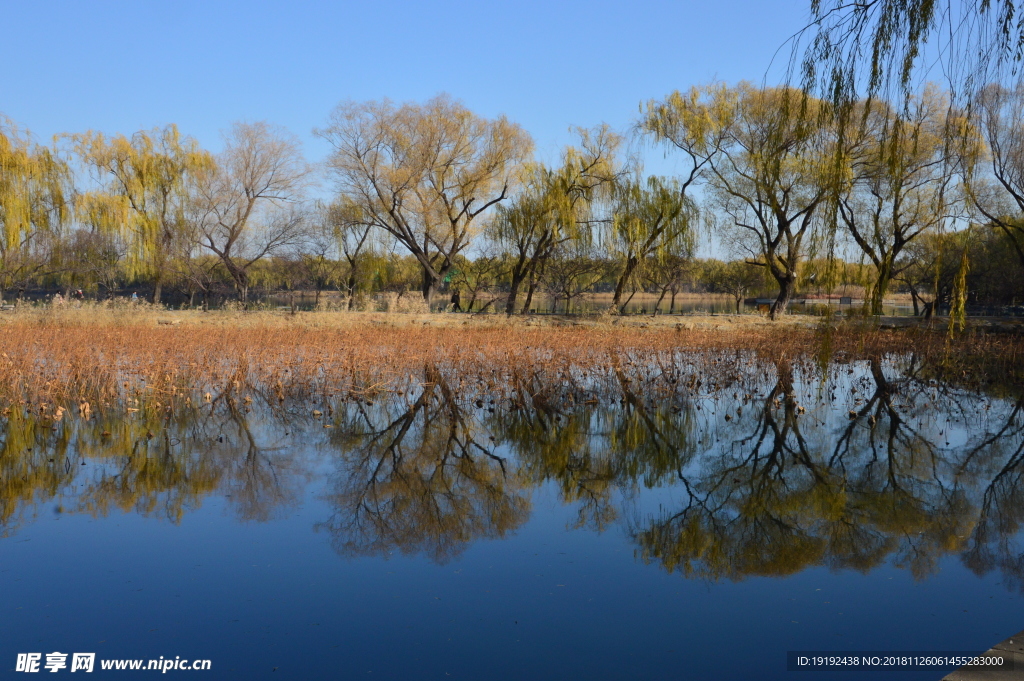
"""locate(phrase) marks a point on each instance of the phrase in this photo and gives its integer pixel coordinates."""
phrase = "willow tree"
(903, 183)
(146, 183)
(424, 173)
(997, 183)
(652, 219)
(355, 242)
(245, 204)
(737, 278)
(318, 254)
(555, 207)
(876, 47)
(772, 161)
(34, 189)
(421, 478)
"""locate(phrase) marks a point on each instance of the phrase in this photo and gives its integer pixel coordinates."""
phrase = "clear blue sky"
(125, 66)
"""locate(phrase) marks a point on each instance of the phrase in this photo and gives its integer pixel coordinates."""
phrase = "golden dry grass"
(91, 359)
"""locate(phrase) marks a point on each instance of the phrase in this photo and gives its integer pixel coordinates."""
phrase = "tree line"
(924, 196)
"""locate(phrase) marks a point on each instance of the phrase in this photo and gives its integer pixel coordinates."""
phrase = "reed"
(87, 362)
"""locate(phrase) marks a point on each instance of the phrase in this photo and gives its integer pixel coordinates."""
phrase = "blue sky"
(125, 66)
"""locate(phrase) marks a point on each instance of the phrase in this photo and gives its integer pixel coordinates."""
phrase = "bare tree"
(246, 206)
(318, 253)
(94, 257)
(570, 272)
(423, 173)
(737, 278)
(667, 275)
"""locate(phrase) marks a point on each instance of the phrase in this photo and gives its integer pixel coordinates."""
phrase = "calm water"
(599, 526)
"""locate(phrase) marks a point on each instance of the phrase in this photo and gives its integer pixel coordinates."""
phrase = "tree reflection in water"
(796, 488)
(418, 476)
(145, 461)
(780, 464)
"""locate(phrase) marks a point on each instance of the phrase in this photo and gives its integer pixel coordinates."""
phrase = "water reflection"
(791, 488)
(145, 462)
(718, 466)
(418, 475)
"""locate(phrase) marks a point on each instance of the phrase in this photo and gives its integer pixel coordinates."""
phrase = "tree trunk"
(631, 294)
(157, 290)
(240, 277)
(429, 286)
(881, 287)
(529, 296)
(620, 285)
(513, 293)
(787, 286)
(914, 297)
(657, 305)
(351, 285)
(519, 273)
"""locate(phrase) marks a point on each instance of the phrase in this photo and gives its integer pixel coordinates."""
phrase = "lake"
(638, 520)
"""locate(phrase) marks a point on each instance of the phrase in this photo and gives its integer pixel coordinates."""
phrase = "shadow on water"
(718, 465)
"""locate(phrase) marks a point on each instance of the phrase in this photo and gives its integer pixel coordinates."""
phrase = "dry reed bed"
(83, 368)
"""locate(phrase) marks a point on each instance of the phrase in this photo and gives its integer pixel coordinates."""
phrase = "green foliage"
(773, 161)
(146, 183)
(430, 196)
(651, 221)
(874, 49)
(35, 186)
(958, 308)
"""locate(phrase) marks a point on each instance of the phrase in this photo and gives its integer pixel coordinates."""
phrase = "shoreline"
(143, 314)
(72, 356)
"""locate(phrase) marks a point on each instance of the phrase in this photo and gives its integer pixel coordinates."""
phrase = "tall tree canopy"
(35, 186)
(903, 184)
(145, 184)
(651, 219)
(773, 164)
(556, 207)
(245, 205)
(999, 193)
(424, 173)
